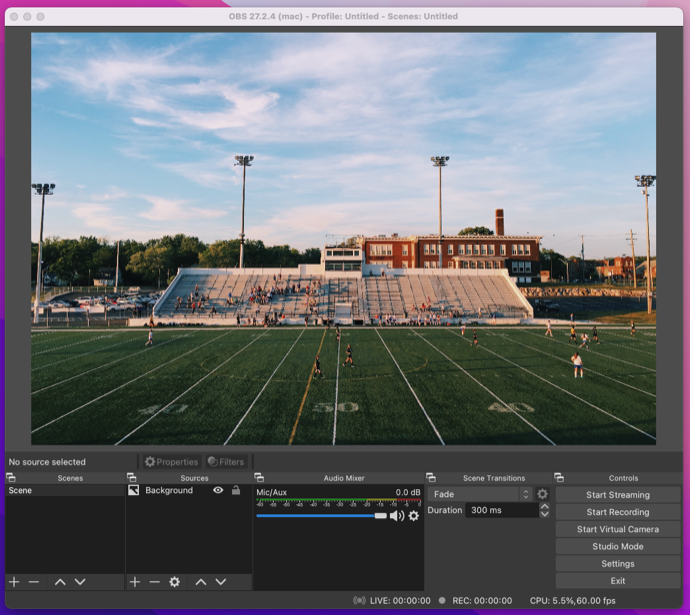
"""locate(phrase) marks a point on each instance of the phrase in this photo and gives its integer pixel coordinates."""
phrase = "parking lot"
(568, 305)
(80, 307)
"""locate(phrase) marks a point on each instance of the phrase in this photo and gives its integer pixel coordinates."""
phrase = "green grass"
(423, 385)
(623, 317)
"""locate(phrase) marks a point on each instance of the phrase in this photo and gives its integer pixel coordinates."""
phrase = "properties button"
(159, 461)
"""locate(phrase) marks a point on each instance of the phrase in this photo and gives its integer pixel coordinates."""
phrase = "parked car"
(546, 305)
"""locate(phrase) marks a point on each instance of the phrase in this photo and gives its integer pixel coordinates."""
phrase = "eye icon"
(217, 490)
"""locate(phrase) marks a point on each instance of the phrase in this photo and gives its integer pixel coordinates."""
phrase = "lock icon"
(235, 490)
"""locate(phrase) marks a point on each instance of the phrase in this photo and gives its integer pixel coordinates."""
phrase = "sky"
(139, 132)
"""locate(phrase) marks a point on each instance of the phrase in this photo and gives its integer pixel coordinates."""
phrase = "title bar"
(318, 17)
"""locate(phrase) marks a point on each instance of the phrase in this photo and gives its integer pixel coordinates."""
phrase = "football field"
(426, 385)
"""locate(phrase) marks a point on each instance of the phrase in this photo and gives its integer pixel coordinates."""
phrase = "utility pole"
(244, 162)
(582, 237)
(41, 189)
(645, 181)
(440, 162)
(117, 266)
(632, 245)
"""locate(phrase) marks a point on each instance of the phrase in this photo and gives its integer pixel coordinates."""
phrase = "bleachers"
(403, 296)
(217, 286)
(214, 286)
(482, 295)
(291, 304)
(470, 295)
(384, 296)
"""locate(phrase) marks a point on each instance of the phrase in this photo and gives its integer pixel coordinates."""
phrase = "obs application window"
(344, 308)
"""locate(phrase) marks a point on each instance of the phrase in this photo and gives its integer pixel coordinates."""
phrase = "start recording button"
(170, 462)
(224, 461)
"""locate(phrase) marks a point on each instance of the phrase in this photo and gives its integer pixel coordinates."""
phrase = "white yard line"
(335, 409)
(627, 337)
(91, 339)
(190, 388)
(619, 345)
(83, 354)
(130, 382)
(591, 371)
(593, 352)
(129, 356)
(262, 390)
(33, 335)
(522, 418)
(411, 389)
(564, 391)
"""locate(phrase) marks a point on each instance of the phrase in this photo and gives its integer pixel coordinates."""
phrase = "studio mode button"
(225, 461)
(158, 461)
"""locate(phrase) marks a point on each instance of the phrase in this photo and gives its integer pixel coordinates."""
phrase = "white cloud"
(38, 83)
(174, 210)
(99, 217)
(211, 173)
(343, 126)
(113, 194)
(140, 121)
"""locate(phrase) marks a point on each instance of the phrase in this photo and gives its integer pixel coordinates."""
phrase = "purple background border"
(4, 4)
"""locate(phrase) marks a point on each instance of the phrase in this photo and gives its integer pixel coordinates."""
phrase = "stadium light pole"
(440, 162)
(244, 162)
(43, 190)
(645, 181)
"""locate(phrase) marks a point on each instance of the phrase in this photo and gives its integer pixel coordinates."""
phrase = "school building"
(519, 254)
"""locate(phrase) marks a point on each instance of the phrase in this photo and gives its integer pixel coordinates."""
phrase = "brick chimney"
(499, 222)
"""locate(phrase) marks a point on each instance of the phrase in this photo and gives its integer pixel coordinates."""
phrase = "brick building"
(517, 253)
(619, 267)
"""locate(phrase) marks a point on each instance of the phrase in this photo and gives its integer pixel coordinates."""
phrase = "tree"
(71, 260)
(350, 242)
(150, 263)
(311, 256)
(476, 230)
(552, 261)
(183, 250)
(50, 254)
(224, 253)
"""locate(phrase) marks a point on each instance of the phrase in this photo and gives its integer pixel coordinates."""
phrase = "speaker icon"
(397, 515)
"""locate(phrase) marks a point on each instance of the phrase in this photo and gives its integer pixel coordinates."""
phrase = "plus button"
(135, 582)
(14, 582)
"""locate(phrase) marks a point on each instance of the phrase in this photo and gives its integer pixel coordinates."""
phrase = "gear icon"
(413, 516)
(150, 461)
(542, 493)
(174, 582)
